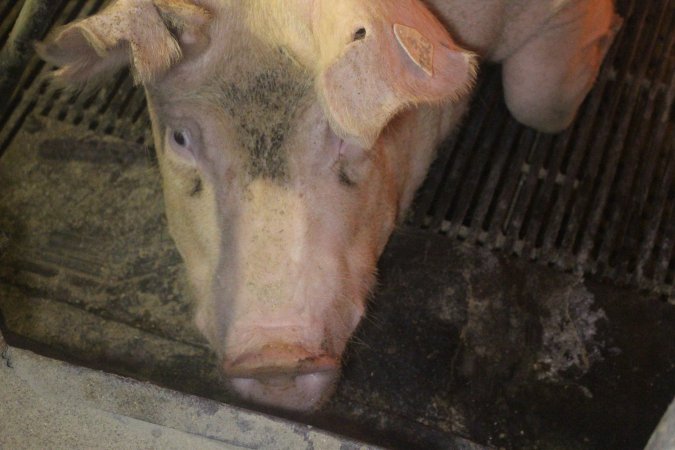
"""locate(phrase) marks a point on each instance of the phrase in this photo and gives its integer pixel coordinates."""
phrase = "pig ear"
(381, 59)
(139, 33)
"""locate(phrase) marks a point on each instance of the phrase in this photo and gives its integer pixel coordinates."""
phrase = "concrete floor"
(51, 404)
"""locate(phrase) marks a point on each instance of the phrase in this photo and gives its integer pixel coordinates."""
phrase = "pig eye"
(180, 140)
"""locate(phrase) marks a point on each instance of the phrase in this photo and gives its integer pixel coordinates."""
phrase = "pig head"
(291, 136)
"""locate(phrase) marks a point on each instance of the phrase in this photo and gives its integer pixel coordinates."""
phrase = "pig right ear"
(148, 35)
(379, 57)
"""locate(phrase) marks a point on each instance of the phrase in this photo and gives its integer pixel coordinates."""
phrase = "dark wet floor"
(457, 341)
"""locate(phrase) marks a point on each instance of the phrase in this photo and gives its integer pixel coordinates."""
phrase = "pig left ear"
(148, 35)
(383, 59)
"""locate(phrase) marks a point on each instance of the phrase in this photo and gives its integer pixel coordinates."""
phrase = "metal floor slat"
(580, 200)
(586, 200)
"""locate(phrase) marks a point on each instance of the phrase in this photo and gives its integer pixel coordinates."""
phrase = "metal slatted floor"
(598, 198)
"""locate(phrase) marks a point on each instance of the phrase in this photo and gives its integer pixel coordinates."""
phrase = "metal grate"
(116, 108)
(599, 198)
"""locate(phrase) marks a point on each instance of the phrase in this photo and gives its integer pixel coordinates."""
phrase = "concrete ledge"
(664, 435)
(52, 404)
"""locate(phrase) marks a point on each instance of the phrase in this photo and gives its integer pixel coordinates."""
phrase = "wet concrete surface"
(510, 354)
(456, 342)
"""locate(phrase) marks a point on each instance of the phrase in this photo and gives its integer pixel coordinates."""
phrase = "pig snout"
(282, 375)
(289, 358)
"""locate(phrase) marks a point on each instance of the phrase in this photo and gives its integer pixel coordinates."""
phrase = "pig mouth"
(271, 362)
(283, 376)
(302, 392)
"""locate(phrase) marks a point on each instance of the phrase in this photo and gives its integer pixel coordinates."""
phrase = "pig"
(291, 137)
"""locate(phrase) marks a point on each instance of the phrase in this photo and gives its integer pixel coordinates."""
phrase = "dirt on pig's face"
(279, 222)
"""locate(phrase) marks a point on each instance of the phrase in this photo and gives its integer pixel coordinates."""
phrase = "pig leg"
(546, 80)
